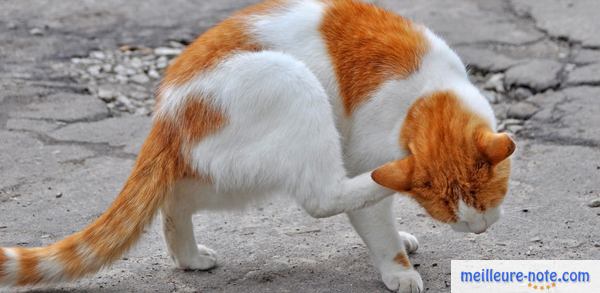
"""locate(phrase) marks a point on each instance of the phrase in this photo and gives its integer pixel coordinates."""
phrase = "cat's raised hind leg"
(389, 248)
(179, 234)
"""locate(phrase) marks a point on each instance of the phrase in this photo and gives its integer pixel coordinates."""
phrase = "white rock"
(107, 94)
(95, 70)
(153, 74)
(140, 78)
(495, 83)
(98, 55)
(136, 63)
(164, 51)
(36, 31)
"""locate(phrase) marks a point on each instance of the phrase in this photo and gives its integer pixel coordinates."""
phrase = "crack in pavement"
(100, 149)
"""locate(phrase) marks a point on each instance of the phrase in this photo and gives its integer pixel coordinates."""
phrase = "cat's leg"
(389, 249)
(179, 232)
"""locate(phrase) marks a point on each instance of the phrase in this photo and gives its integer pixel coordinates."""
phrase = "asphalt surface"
(64, 153)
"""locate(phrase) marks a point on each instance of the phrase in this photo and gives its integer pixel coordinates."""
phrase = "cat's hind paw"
(410, 242)
(205, 259)
(403, 281)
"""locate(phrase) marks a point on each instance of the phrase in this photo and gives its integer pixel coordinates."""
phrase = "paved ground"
(64, 153)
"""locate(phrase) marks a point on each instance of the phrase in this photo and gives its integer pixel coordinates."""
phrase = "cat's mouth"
(473, 221)
(467, 227)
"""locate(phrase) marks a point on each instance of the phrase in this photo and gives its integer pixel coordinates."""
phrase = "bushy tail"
(113, 233)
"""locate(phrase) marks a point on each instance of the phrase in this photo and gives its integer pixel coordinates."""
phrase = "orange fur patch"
(200, 120)
(442, 135)
(367, 45)
(402, 259)
(28, 266)
(3, 260)
(216, 44)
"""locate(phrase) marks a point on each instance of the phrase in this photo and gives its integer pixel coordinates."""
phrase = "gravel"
(126, 78)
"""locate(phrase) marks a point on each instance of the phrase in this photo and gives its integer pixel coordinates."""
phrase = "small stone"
(162, 62)
(535, 239)
(164, 51)
(522, 110)
(495, 83)
(121, 78)
(36, 31)
(491, 96)
(124, 101)
(138, 95)
(136, 63)
(98, 55)
(521, 94)
(594, 203)
(58, 195)
(513, 122)
(176, 44)
(153, 74)
(107, 68)
(106, 94)
(140, 78)
(12, 26)
(120, 69)
(525, 210)
(95, 70)
(515, 128)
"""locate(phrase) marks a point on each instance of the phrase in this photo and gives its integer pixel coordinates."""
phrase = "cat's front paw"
(205, 259)
(410, 242)
(403, 281)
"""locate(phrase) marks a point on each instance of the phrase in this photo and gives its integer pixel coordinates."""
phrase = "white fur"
(472, 220)
(11, 267)
(287, 143)
(51, 269)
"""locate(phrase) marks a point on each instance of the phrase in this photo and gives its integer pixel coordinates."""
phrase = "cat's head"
(458, 168)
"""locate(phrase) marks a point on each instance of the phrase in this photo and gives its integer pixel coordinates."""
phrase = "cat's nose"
(478, 227)
(478, 231)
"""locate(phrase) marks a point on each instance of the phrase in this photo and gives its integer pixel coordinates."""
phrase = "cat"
(337, 103)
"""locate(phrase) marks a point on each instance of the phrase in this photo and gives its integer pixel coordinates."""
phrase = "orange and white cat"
(304, 98)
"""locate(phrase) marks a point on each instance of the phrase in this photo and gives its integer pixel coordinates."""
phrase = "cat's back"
(352, 47)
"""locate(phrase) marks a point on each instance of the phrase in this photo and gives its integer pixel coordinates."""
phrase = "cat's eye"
(481, 164)
(426, 184)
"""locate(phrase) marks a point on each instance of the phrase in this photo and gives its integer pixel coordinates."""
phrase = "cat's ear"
(396, 175)
(496, 146)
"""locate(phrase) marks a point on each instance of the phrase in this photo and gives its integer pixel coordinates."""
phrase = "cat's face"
(458, 170)
(469, 200)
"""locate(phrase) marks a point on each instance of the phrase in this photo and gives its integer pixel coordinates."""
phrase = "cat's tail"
(114, 232)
